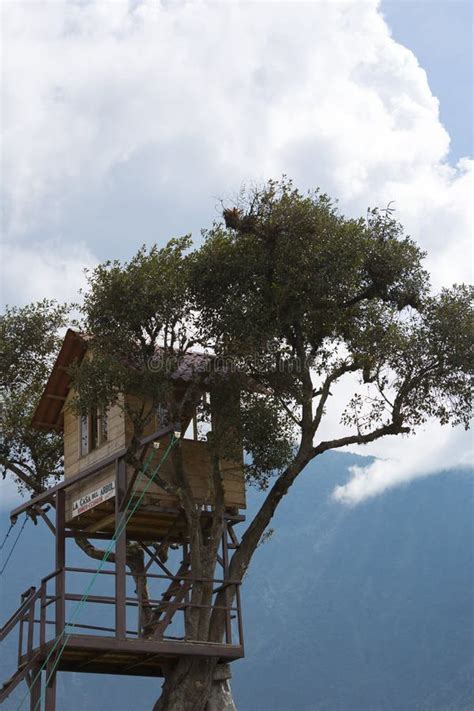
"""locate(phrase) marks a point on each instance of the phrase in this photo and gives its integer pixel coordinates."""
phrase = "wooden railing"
(42, 608)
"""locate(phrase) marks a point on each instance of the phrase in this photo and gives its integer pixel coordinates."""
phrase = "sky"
(125, 123)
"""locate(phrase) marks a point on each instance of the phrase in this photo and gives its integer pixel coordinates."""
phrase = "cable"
(6, 536)
(120, 528)
(13, 546)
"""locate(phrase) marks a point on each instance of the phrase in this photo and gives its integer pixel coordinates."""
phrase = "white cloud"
(123, 122)
(46, 270)
(434, 450)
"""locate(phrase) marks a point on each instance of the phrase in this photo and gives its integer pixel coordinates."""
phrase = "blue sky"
(440, 33)
(125, 123)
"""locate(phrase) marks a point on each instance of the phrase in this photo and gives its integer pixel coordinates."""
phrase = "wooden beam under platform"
(140, 657)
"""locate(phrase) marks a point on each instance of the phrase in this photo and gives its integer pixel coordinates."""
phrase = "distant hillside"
(363, 609)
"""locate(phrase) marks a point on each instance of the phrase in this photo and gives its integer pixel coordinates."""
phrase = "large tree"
(295, 299)
(30, 338)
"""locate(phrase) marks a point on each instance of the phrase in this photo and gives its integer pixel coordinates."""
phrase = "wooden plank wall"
(74, 463)
(195, 455)
(197, 464)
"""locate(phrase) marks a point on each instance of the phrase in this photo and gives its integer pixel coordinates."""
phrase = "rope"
(120, 528)
(6, 536)
(13, 546)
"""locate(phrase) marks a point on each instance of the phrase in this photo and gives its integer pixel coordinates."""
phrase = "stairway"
(18, 676)
(171, 601)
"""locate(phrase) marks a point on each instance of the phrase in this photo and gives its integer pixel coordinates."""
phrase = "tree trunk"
(196, 684)
(220, 698)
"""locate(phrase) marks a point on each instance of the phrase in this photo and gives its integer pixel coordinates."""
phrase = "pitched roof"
(49, 411)
(48, 414)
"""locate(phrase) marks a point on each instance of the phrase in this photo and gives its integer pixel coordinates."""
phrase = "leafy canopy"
(31, 337)
(292, 297)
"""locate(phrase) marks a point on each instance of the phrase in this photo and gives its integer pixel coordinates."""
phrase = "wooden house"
(90, 502)
(96, 440)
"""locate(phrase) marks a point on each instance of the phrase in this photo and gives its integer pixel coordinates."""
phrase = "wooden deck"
(108, 655)
(152, 521)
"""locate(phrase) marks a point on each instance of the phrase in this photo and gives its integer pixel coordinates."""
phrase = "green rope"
(120, 528)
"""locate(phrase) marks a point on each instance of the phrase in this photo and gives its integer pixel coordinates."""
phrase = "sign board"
(93, 498)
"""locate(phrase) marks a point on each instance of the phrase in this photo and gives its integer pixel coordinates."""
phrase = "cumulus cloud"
(434, 450)
(125, 121)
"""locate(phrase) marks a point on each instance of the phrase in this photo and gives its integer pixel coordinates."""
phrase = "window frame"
(92, 432)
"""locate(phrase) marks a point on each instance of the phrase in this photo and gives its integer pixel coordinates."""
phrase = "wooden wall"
(195, 456)
(74, 463)
(197, 465)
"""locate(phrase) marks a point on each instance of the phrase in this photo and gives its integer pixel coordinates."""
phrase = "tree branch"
(27, 479)
(325, 391)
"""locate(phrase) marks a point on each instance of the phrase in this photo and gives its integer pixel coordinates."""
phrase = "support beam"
(50, 683)
(98, 525)
(35, 688)
(225, 566)
(45, 518)
(120, 549)
(60, 560)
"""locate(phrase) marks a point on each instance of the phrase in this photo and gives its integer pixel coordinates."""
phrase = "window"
(93, 430)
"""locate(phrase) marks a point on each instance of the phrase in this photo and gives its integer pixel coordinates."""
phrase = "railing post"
(60, 561)
(50, 683)
(239, 616)
(20, 639)
(35, 688)
(43, 614)
(120, 548)
(225, 567)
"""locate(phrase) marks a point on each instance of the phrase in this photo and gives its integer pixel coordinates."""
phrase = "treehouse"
(95, 442)
(104, 497)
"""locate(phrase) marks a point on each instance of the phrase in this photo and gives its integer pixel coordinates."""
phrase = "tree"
(295, 298)
(30, 340)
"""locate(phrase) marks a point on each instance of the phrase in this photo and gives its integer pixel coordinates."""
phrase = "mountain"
(367, 608)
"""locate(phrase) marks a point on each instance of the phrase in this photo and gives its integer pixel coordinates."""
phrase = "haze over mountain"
(367, 608)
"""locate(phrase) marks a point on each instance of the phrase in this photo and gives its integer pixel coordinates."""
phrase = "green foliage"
(293, 269)
(297, 296)
(30, 340)
(291, 297)
(268, 437)
(137, 317)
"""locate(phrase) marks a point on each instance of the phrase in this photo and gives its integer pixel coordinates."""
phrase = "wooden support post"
(31, 631)
(35, 688)
(50, 681)
(20, 639)
(60, 561)
(120, 549)
(225, 557)
(239, 617)
(42, 603)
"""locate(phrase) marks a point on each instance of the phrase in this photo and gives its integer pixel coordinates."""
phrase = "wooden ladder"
(171, 601)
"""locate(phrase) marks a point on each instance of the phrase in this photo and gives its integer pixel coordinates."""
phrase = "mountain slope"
(363, 609)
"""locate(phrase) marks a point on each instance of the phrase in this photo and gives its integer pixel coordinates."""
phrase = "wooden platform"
(106, 655)
(149, 522)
